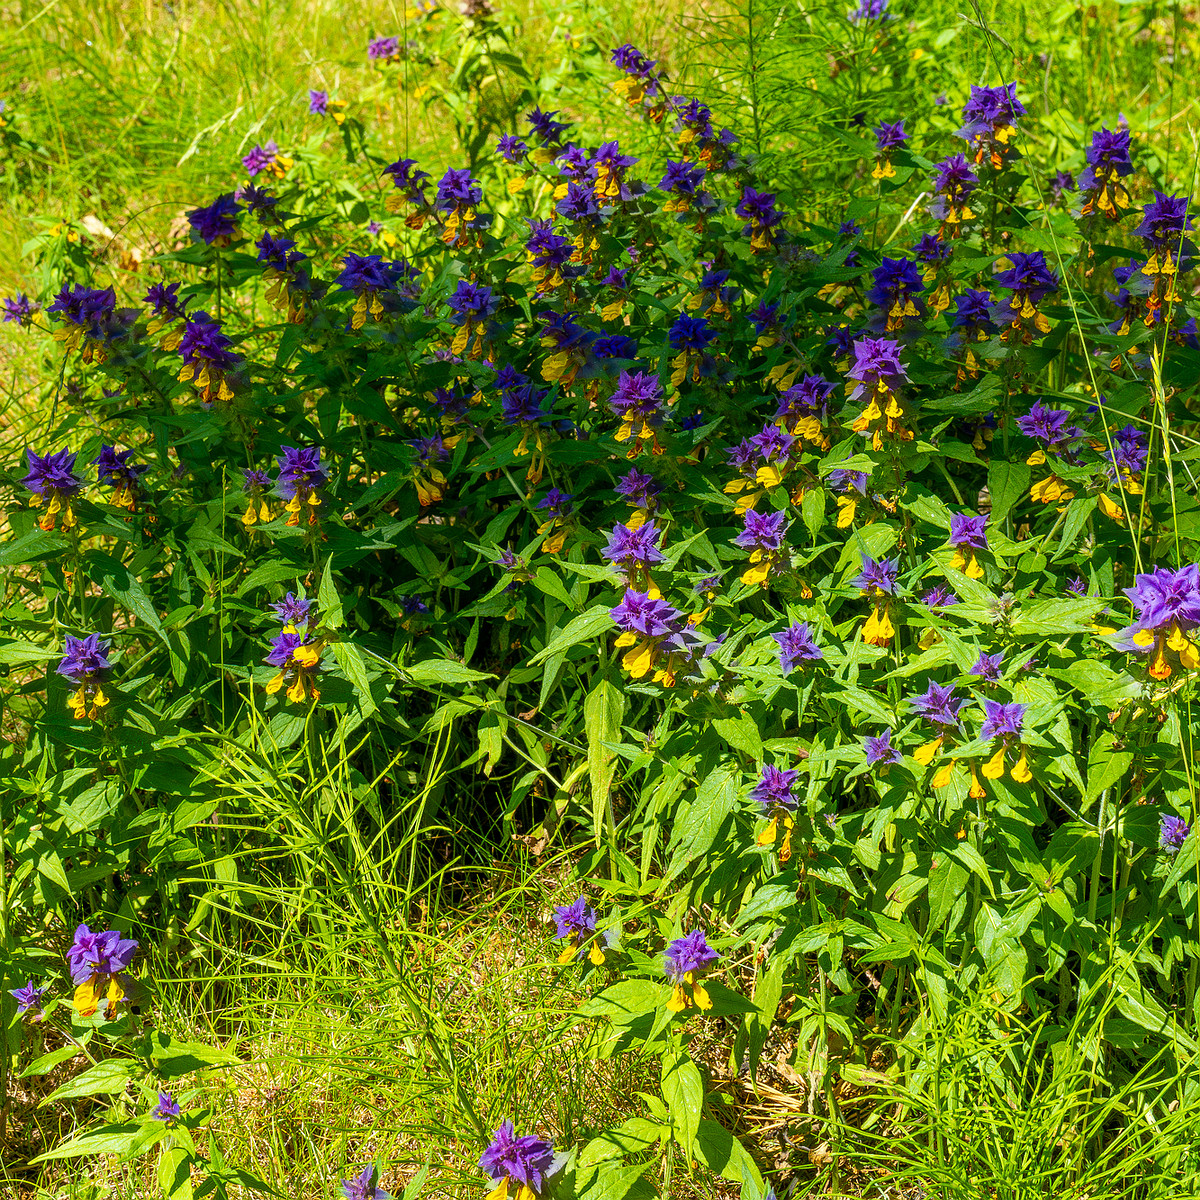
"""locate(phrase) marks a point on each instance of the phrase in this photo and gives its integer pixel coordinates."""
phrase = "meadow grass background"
(141, 110)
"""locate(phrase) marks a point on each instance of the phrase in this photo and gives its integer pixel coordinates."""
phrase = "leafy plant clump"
(827, 593)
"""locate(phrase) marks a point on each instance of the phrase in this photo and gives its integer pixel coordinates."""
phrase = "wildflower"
(888, 139)
(987, 667)
(682, 181)
(796, 645)
(409, 183)
(898, 284)
(85, 664)
(28, 997)
(655, 637)
(576, 923)
(549, 254)
(869, 10)
(53, 484)
(1165, 222)
(938, 705)
(523, 1162)
(763, 536)
(1031, 281)
(714, 296)
(686, 960)
(259, 202)
(557, 506)
(19, 309)
(803, 408)
(1004, 722)
(300, 476)
(1172, 833)
(638, 402)
(990, 122)
(383, 49)
(372, 280)
(216, 224)
(690, 338)
(634, 551)
(318, 102)
(168, 313)
(849, 487)
(939, 596)
(773, 448)
(471, 306)
(266, 159)
(774, 793)
(972, 323)
(97, 962)
(879, 581)
(1107, 163)
(457, 196)
(287, 282)
(881, 752)
(298, 657)
(758, 210)
(207, 358)
(114, 470)
(968, 534)
(641, 490)
(877, 373)
(515, 566)
(572, 344)
(1168, 612)
(1048, 426)
(255, 485)
(167, 1109)
(934, 253)
(953, 186)
(85, 315)
(364, 1186)
(610, 166)
(293, 611)
(641, 80)
(1061, 183)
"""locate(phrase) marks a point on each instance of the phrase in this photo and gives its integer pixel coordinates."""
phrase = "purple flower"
(938, 705)
(414, 606)
(796, 645)
(878, 577)
(880, 750)
(898, 284)
(293, 611)
(318, 102)
(808, 398)
(300, 471)
(385, 48)
(522, 1160)
(876, 367)
(364, 1186)
(409, 181)
(278, 253)
(633, 549)
(27, 997)
(93, 954)
(990, 117)
(164, 300)
(545, 127)
(205, 344)
(762, 532)
(19, 309)
(556, 504)
(774, 788)
(869, 10)
(84, 659)
(578, 919)
(939, 596)
(52, 475)
(639, 613)
(932, 251)
(512, 149)
(1165, 597)
(954, 183)
(890, 137)
(1029, 277)
(848, 481)
(639, 488)
(987, 666)
(1077, 586)
(690, 333)
(1172, 832)
(1164, 221)
(968, 531)
(637, 400)
(216, 224)
(470, 301)
(761, 216)
(689, 955)
(683, 178)
(1002, 720)
(260, 158)
(167, 1109)
(89, 308)
(1047, 425)
(456, 189)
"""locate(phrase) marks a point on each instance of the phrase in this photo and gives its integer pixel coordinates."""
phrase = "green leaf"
(696, 831)
(350, 659)
(108, 1139)
(328, 599)
(625, 1001)
(721, 1152)
(812, 509)
(1007, 483)
(602, 713)
(579, 629)
(106, 1077)
(175, 1173)
(47, 1062)
(741, 733)
(114, 578)
(444, 670)
(605, 1181)
(683, 1090)
(1106, 765)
